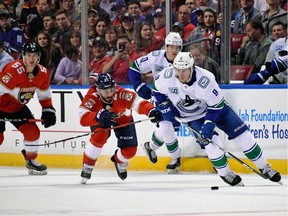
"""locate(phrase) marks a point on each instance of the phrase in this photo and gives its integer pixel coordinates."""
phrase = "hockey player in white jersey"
(155, 62)
(200, 102)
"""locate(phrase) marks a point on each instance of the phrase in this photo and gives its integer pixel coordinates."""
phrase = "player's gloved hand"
(207, 129)
(48, 116)
(206, 132)
(156, 114)
(106, 118)
(168, 111)
(143, 91)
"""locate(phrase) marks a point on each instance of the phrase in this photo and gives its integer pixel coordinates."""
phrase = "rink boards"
(263, 108)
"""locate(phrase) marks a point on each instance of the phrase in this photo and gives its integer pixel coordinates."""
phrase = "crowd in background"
(121, 31)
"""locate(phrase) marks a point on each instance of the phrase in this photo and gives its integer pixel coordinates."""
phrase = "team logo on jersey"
(156, 53)
(158, 68)
(203, 82)
(143, 59)
(26, 94)
(174, 90)
(89, 104)
(168, 73)
(6, 78)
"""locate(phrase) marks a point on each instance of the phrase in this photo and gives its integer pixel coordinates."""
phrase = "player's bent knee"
(30, 131)
(245, 139)
(129, 152)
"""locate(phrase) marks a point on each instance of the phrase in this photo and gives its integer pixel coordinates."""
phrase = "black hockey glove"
(156, 114)
(48, 116)
(106, 118)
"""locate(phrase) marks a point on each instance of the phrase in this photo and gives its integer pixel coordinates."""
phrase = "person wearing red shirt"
(119, 64)
(95, 67)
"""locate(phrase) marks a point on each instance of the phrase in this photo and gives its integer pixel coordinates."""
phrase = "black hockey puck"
(214, 188)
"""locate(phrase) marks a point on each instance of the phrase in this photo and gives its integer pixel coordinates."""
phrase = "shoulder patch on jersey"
(143, 59)
(126, 96)
(168, 73)
(203, 82)
(173, 90)
(156, 53)
(6, 78)
(158, 68)
(89, 103)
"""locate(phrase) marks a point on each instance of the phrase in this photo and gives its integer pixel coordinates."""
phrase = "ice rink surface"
(141, 194)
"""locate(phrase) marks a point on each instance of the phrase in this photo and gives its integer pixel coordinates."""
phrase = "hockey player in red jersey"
(19, 81)
(106, 105)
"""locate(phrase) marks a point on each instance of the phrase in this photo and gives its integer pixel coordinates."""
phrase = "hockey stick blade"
(219, 147)
(90, 133)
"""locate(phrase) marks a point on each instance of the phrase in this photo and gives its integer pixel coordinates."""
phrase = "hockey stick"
(20, 120)
(219, 147)
(90, 133)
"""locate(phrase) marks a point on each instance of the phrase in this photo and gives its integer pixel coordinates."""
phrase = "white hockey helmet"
(173, 38)
(183, 60)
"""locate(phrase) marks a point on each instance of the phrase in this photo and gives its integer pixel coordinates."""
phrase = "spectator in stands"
(36, 24)
(28, 12)
(119, 64)
(246, 13)
(119, 8)
(199, 31)
(254, 51)
(12, 37)
(183, 17)
(127, 26)
(100, 28)
(93, 17)
(149, 13)
(206, 3)
(235, 7)
(69, 70)
(145, 40)
(134, 9)
(100, 59)
(75, 40)
(70, 8)
(274, 14)
(65, 27)
(204, 61)
(193, 8)
(49, 24)
(5, 58)
(279, 30)
(260, 5)
(51, 53)
(111, 39)
(107, 6)
(160, 23)
(95, 4)
(77, 25)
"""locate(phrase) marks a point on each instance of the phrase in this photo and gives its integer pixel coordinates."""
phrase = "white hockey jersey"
(191, 101)
(154, 61)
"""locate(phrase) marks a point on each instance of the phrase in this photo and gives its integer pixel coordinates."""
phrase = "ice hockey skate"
(271, 174)
(150, 153)
(34, 168)
(232, 179)
(120, 168)
(86, 174)
(174, 166)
